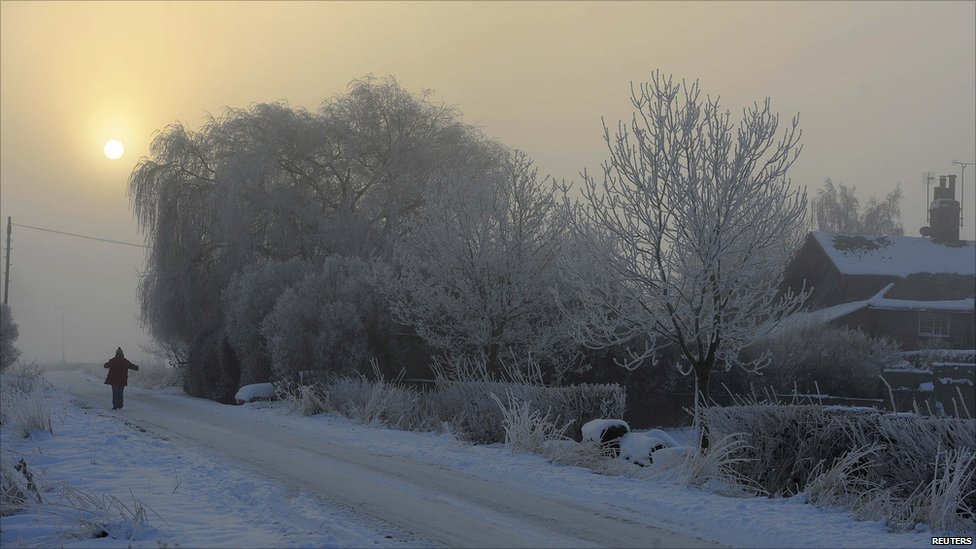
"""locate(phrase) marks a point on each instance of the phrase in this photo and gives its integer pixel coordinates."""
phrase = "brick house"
(917, 290)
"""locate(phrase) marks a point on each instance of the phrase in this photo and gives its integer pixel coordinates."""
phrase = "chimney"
(944, 212)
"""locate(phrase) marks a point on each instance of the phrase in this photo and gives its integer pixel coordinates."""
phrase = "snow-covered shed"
(913, 289)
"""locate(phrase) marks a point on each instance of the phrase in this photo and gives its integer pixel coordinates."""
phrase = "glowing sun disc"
(114, 149)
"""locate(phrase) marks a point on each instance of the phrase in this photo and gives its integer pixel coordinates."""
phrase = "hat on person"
(118, 352)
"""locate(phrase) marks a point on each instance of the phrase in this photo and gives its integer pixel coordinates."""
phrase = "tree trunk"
(702, 374)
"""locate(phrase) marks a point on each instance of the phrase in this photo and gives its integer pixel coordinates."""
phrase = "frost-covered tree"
(320, 323)
(685, 229)
(248, 300)
(837, 210)
(273, 182)
(8, 335)
(476, 269)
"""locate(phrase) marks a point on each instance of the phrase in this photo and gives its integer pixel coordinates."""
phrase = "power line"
(82, 236)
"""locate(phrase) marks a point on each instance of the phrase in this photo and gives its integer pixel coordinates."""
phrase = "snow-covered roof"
(896, 255)
(801, 319)
(956, 305)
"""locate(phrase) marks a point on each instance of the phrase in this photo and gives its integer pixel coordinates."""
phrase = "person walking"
(118, 376)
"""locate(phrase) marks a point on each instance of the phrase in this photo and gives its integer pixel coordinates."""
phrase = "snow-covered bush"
(23, 403)
(307, 400)
(8, 334)
(26, 378)
(380, 401)
(481, 420)
(791, 447)
(247, 300)
(840, 361)
(319, 324)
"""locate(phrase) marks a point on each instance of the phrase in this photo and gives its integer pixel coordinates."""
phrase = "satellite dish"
(925, 231)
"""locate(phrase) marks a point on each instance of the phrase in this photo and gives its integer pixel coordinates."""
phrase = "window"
(933, 325)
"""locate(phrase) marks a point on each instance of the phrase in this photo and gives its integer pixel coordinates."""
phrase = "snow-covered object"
(639, 447)
(670, 458)
(248, 393)
(851, 409)
(896, 255)
(926, 387)
(593, 430)
(663, 437)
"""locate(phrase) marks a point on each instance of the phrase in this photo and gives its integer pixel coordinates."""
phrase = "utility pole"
(962, 186)
(6, 272)
(62, 332)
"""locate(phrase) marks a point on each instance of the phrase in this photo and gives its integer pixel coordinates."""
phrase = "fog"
(885, 93)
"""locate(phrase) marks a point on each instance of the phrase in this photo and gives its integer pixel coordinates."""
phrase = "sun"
(114, 149)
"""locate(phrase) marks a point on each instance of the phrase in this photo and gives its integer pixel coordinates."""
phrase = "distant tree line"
(837, 210)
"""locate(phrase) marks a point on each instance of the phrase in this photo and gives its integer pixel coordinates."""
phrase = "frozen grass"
(383, 402)
(307, 400)
(27, 412)
(17, 485)
(101, 515)
(527, 430)
(845, 483)
(715, 468)
(913, 480)
(942, 504)
(89, 515)
(26, 378)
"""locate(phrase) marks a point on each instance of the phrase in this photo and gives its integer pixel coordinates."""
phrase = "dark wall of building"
(902, 326)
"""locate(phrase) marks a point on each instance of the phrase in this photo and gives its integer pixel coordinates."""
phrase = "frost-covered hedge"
(838, 361)
(789, 446)
(477, 415)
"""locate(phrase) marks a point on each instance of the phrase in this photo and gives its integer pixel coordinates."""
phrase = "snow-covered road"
(427, 500)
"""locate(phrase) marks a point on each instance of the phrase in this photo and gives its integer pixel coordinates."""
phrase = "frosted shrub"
(789, 447)
(384, 402)
(527, 430)
(26, 378)
(8, 335)
(482, 420)
(319, 323)
(840, 361)
(247, 300)
(29, 412)
(307, 400)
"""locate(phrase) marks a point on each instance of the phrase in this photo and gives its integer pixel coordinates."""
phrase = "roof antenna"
(962, 187)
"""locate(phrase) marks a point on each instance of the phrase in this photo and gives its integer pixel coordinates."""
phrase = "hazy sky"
(885, 92)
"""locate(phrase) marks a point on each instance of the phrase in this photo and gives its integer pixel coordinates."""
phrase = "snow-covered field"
(199, 496)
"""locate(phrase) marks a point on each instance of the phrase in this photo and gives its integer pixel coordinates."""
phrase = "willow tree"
(685, 230)
(278, 183)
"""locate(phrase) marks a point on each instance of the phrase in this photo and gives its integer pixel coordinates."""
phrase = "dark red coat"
(118, 371)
